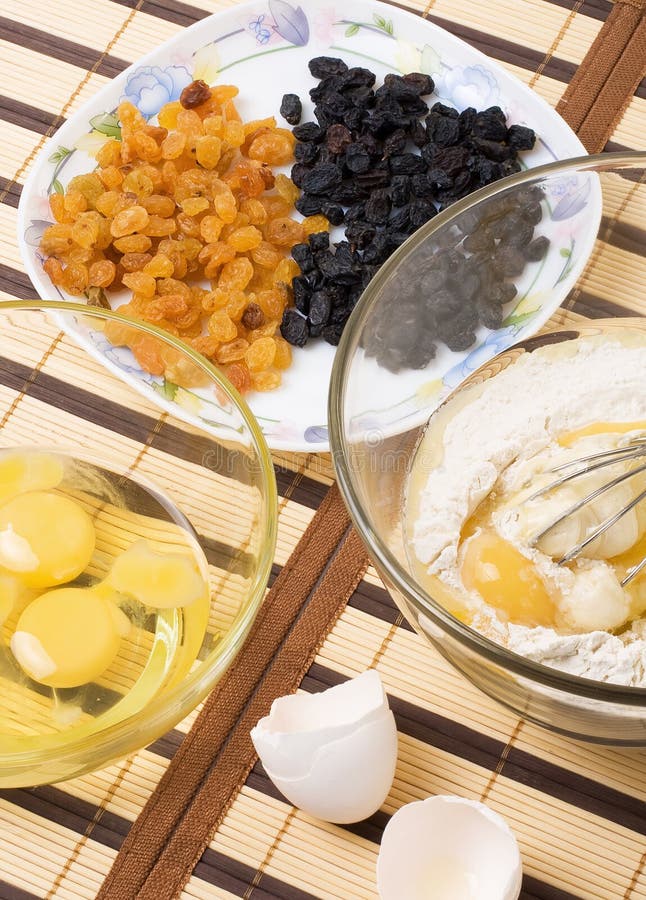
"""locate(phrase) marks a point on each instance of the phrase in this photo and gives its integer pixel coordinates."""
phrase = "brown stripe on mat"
(175, 811)
(60, 48)
(136, 425)
(605, 81)
(26, 116)
(11, 892)
(507, 51)
(14, 282)
(170, 10)
(519, 765)
(10, 193)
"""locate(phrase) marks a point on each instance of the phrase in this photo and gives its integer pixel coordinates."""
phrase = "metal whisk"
(576, 468)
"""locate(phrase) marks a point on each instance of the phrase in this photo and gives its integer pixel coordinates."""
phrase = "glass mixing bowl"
(586, 272)
(165, 459)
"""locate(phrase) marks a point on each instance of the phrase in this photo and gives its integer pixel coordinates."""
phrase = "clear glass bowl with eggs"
(500, 345)
(137, 532)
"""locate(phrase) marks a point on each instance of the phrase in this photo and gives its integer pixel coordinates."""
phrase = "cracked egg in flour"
(472, 524)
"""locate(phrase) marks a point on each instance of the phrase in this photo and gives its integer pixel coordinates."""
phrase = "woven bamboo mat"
(579, 811)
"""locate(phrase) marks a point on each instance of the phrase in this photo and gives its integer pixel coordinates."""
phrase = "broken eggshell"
(331, 754)
(448, 847)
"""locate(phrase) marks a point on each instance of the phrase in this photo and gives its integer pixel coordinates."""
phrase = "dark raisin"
(488, 126)
(521, 235)
(333, 212)
(319, 241)
(302, 290)
(359, 234)
(450, 159)
(357, 77)
(253, 316)
(532, 212)
(309, 205)
(478, 241)
(338, 138)
(332, 333)
(400, 187)
(326, 66)
(306, 153)
(298, 173)
(422, 186)
(521, 138)
(294, 328)
(291, 108)
(302, 253)
(378, 207)
(320, 306)
(345, 193)
(490, 315)
(395, 142)
(417, 133)
(442, 131)
(537, 249)
(308, 131)
(406, 164)
(421, 84)
(509, 261)
(195, 94)
(399, 219)
(356, 212)
(357, 158)
(322, 178)
(420, 212)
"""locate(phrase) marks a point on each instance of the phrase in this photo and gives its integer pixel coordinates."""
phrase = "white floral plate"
(264, 47)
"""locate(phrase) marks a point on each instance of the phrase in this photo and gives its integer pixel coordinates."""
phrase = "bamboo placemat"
(579, 811)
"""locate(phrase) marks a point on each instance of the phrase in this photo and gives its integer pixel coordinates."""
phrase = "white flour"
(521, 411)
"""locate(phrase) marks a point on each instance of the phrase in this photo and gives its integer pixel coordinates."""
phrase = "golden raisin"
(315, 225)
(284, 232)
(208, 150)
(243, 239)
(140, 283)
(210, 228)
(283, 358)
(160, 266)
(234, 351)
(221, 327)
(134, 218)
(174, 145)
(102, 273)
(133, 243)
(135, 262)
(238, 375)
(261, 354)
(236, 274)
(265, 381)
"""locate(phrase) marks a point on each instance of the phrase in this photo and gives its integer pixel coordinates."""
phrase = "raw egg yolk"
(52, 537)
(506, 580)
(158, 580)
(21, 472)
(66, 638)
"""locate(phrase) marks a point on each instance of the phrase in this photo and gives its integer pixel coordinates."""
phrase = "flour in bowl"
(472, 525)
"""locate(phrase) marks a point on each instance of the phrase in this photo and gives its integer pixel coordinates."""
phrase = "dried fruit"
(194, 94)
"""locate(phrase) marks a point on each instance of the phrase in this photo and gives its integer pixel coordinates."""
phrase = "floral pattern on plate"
(269, 44)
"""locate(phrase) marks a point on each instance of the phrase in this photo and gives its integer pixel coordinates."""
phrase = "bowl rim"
(164, 711)
(396, 573)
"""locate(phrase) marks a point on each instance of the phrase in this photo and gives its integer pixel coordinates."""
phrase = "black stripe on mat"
(520, 766)
(60, 48)
(137, 426)
(16, 283)
(27, 116)
(11, 892)
(214, 867)
(10, 192)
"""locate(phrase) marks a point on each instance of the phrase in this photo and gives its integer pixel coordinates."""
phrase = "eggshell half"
(447, 847)
(298, 725)
(349, 778)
